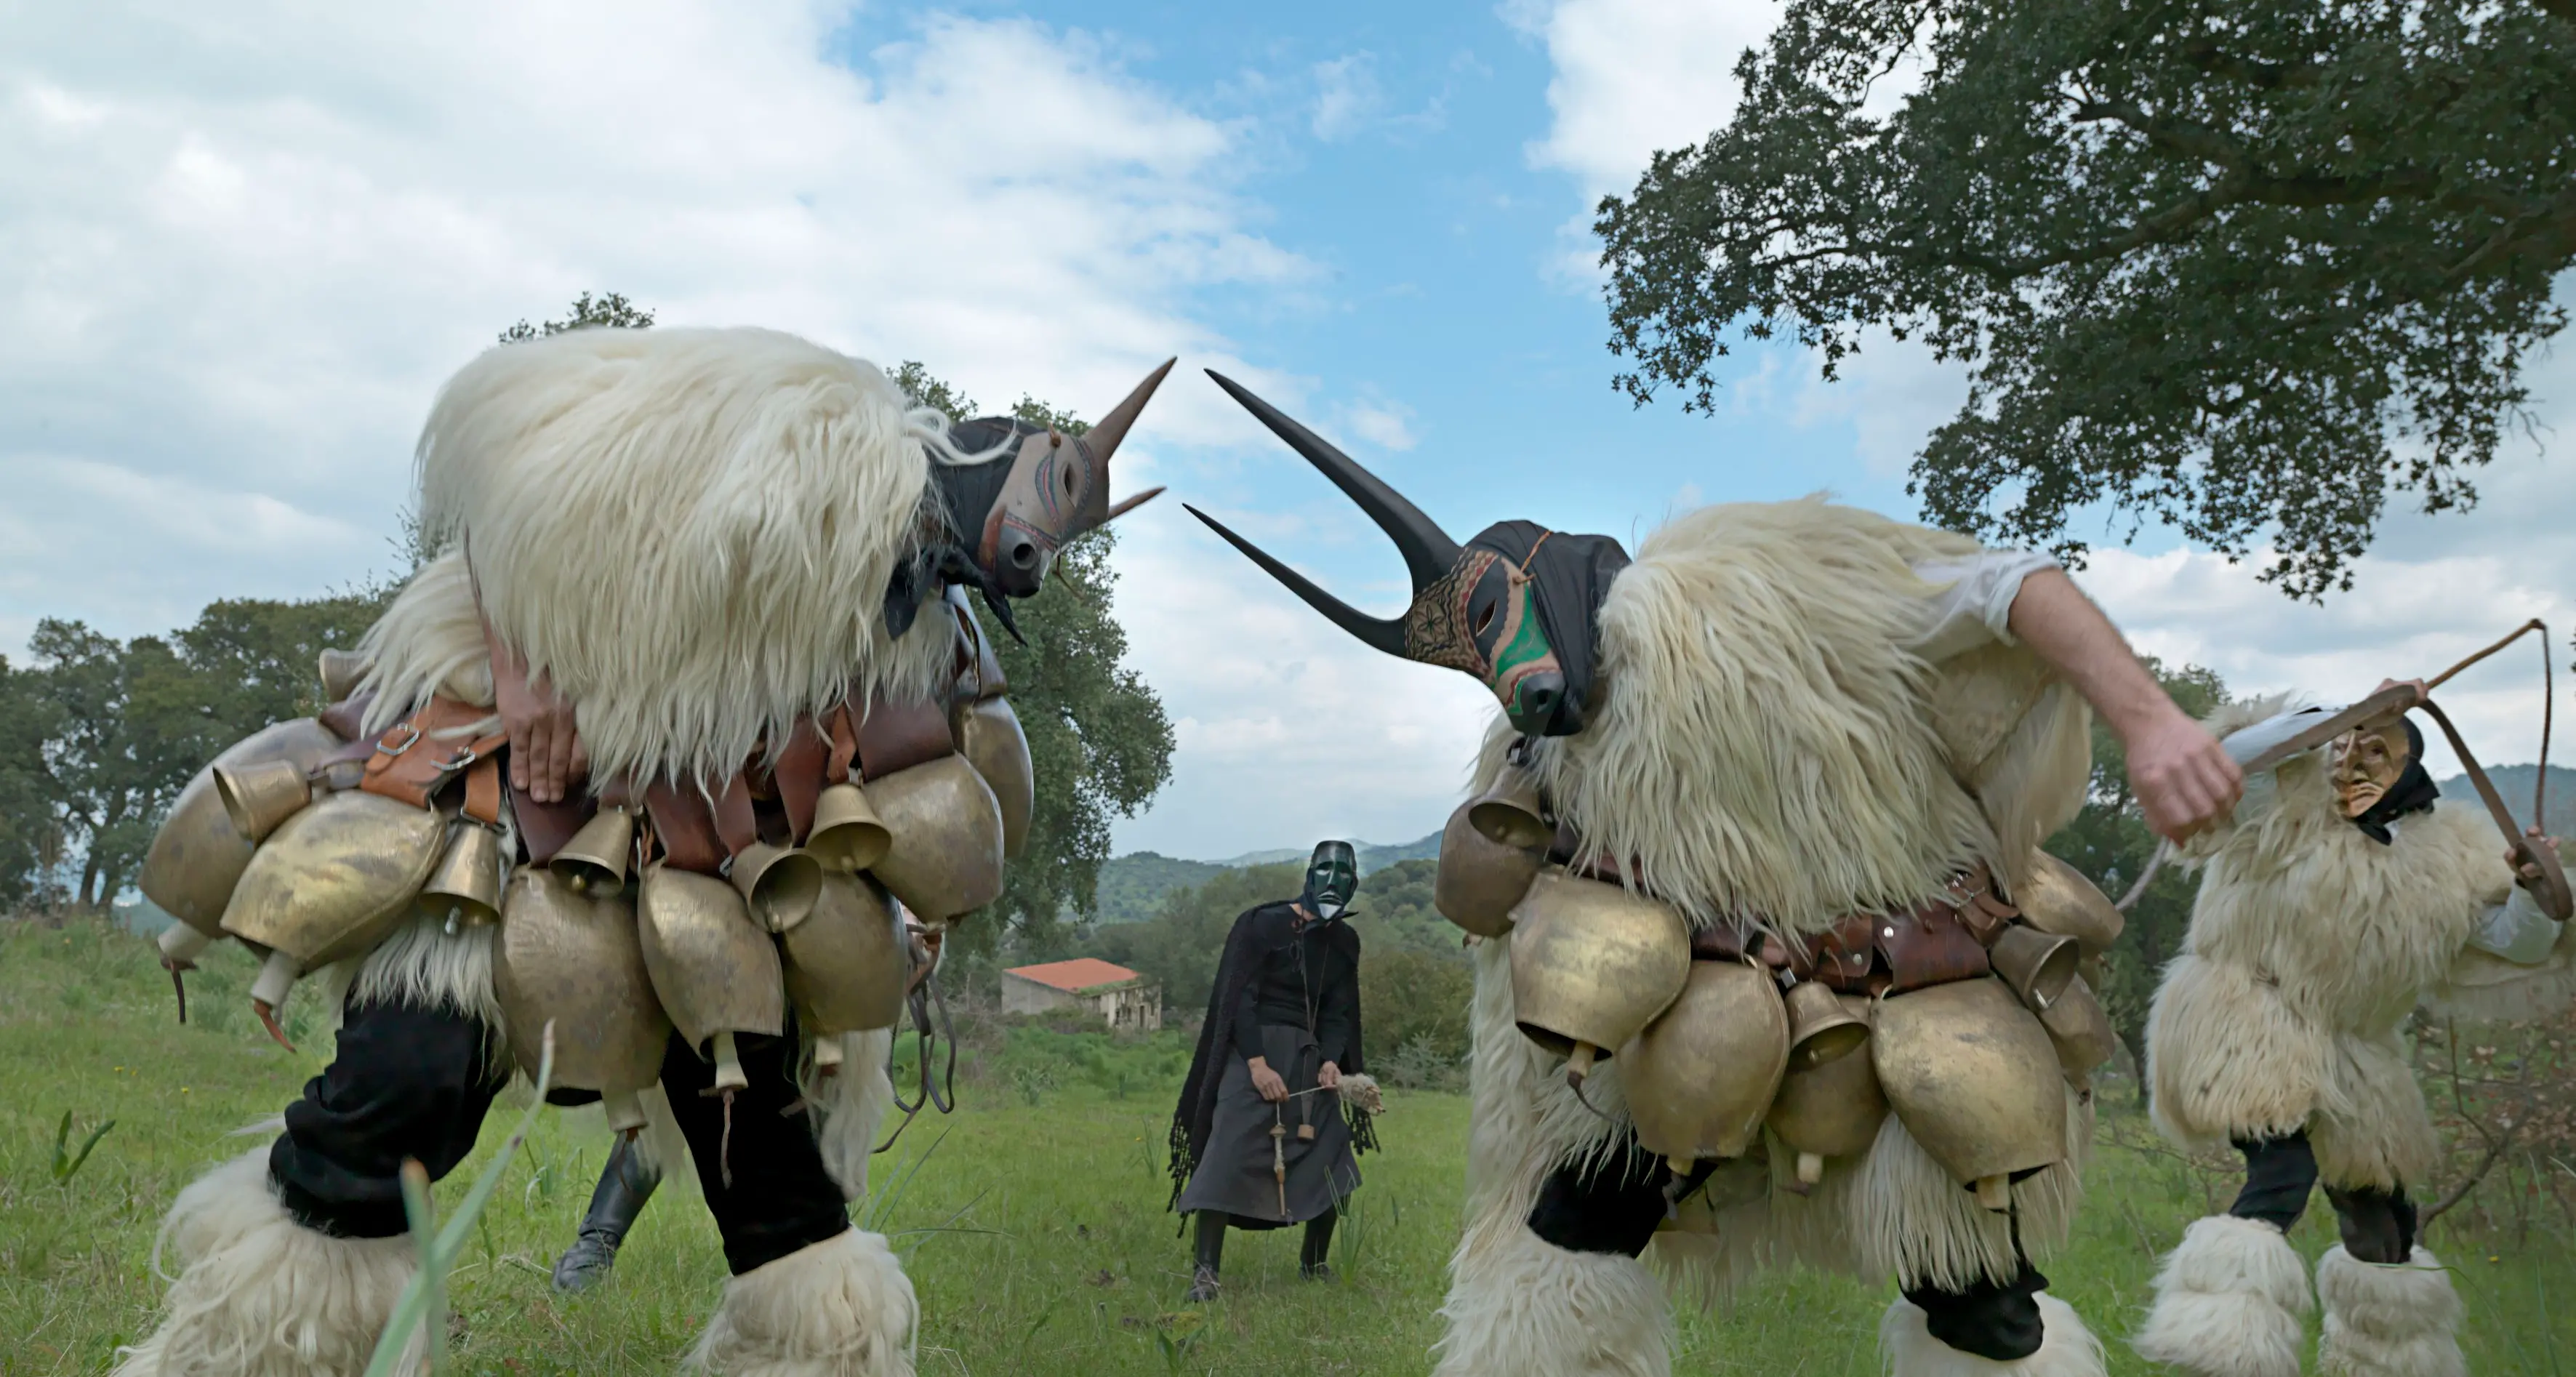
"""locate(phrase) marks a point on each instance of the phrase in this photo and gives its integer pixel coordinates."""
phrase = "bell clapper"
(1578, 1064)
(625, 1110)
(180, 947)
(827, 1056)
(729, 1074)
(277, 975)
(1811, 1169)
(455, 921)
(1994, 1193)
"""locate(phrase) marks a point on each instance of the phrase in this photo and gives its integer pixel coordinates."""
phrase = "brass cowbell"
(1820, 1028)
(2035, 964)
(465, 886)
(597, 856)
(848, 835)
(1511, 812)
(261, 795)
(779, 883)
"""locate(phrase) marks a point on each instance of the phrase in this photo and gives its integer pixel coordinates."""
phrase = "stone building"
(1119, 997)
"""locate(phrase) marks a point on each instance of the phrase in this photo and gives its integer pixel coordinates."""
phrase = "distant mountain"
(2514, 783)
(1132, 886)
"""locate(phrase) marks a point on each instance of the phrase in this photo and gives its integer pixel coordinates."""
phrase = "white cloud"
(1387, 425)
(1347, 96)
(1637, 76)
(238, 252)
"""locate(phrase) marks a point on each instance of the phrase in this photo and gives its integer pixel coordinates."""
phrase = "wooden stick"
(2518, 633)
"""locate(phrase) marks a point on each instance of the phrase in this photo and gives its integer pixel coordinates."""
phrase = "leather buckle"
(412, 727)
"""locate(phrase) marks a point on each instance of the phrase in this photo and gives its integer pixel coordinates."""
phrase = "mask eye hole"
(1068, 480)
(1485, 615)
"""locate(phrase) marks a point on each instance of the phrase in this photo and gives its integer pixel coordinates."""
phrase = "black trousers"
(2376, 1225)
(1614, 1209)
(413, 1083)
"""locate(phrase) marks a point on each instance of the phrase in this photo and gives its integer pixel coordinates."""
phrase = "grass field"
(1035, 1227)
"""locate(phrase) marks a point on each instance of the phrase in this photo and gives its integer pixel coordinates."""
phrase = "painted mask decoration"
(1008, 515)
(2379, 777)
(1514, 606)
(1332, 880)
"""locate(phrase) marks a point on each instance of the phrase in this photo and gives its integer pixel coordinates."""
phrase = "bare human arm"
(2183, 778)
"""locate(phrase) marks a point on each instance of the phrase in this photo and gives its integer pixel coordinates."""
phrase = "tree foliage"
(2110, 843)
(2242, 267)
(608, 309)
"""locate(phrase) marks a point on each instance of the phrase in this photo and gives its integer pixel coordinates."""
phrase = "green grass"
(1034, 1230)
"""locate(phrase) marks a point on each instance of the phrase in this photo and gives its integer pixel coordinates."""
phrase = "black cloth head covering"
(1570, 575)
(1257, 932)
(2414, 791)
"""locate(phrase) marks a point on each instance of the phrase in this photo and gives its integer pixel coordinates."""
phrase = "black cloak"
(1256, 934)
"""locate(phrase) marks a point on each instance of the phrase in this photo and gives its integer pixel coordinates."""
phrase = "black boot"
(624, 1185)
(1319, 1241)
(1209, 1253)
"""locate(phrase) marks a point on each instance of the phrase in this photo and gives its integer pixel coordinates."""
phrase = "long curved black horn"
(1383, 633)
(1428, 551)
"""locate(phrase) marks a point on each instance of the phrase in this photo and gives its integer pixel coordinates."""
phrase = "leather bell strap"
(415, 760)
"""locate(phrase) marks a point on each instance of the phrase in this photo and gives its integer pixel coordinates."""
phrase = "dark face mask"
(1514, 607)
(1332, 880)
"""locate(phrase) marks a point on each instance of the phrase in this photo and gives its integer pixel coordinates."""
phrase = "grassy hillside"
(1133, 886)
(2514, 783)
(1033, 1220)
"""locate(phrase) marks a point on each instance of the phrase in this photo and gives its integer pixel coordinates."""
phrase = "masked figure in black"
(1260, 1140)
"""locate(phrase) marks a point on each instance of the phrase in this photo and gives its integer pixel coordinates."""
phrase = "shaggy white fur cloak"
(1766, 749)
(2309, 945)
(691, 531)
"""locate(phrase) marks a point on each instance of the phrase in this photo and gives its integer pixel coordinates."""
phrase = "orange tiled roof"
(1081, 973)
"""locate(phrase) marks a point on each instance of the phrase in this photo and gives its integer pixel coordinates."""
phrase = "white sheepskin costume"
(1765, 745)
(691, 532)
(259, 1295)
(2310, 944)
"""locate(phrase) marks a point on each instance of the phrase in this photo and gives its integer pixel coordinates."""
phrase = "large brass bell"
(572, 957)
(2081, 1032)
(2057, 898)
(329, 884)
(1975, 1080)
(946, 855)
(260, 796)
(2036, 965)
(779, 883)
(341, 671)
(1830, 1109)
(597, 856)
(198, 856)
(716, 973)
(1700, 1077)
(465, 888)
(848, 834)
(990, 737)
(1479, 879)
(845, 964)
(1820, 1028)
(1511, 812)
(1592, 965)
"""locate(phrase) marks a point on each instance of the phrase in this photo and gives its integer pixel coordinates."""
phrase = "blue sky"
(238, 254)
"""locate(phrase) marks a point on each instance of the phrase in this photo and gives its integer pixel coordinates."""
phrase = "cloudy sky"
(240, 250)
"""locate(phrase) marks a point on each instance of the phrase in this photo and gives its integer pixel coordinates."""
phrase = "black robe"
(1257, 933)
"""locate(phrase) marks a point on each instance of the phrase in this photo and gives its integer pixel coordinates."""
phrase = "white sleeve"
(2516, 930)
(1974, 606)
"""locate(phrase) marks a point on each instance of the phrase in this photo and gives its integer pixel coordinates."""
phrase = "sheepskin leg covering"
(1519, 1306)
(260, 1295)
(2067, 1348)
(838, 1308)
(2388, 1321)
(2231, 1301)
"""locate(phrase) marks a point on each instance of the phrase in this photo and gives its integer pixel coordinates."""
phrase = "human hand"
(1266, 1082)
(1329, 1077)
(546, 755)
(2183, 778)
